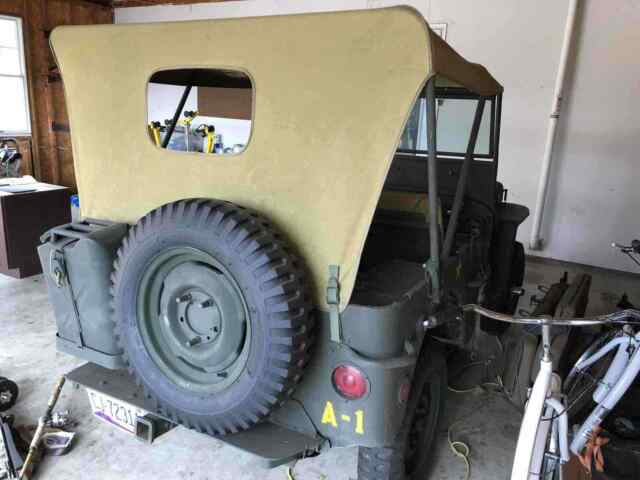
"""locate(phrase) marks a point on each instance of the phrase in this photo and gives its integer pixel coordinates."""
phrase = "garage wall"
(162, 101)
(48, 149)
(593, 192)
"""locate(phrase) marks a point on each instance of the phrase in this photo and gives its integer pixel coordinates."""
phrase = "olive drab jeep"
(299, 281)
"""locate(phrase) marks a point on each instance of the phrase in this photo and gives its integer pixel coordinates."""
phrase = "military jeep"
(298, 292)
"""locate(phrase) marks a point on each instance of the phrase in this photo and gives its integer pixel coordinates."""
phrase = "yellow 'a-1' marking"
(329, 417)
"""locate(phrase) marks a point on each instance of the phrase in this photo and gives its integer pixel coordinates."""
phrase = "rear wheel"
(410, 456)
(212, 313)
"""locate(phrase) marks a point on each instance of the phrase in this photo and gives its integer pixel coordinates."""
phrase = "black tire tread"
(287, 305)
(388, 463)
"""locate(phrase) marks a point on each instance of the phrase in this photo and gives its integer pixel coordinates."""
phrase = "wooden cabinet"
(24, 217)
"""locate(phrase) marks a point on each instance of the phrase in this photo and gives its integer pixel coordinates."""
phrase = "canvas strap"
(333, 300)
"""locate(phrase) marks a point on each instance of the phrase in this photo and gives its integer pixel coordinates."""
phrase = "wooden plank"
(59, 103)
(104, 15)
(65, 156)
(60, 127)
(41, 59)
(58, 13)
(146, 3)
(12, 7)
(68, 174)
(225, 102)
(104, 3)
(82, 14)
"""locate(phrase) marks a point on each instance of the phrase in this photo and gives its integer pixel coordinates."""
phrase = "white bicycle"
(543, 442)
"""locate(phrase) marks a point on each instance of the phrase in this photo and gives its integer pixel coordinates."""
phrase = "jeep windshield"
(455, 110)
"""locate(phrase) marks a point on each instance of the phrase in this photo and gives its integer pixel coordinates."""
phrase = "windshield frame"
(458, 93)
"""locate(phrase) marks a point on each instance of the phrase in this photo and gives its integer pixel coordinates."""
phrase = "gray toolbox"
(77, 261)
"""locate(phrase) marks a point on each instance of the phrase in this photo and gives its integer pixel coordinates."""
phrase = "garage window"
(200, 110)
(14, 114)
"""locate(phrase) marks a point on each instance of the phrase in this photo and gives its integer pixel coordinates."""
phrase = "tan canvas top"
(332, 92)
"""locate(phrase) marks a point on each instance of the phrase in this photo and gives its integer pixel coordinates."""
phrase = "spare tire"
(212, 313)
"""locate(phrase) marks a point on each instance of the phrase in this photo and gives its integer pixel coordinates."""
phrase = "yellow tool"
(189, 117)
(208, 132)
(211, 138)
(154, 129)
(42, 423)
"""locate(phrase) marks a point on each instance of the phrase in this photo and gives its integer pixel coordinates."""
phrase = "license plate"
(114, 412)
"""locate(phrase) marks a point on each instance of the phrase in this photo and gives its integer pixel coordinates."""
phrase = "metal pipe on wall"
(536, 240)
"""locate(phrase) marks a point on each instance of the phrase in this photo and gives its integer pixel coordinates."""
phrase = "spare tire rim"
(193, 320)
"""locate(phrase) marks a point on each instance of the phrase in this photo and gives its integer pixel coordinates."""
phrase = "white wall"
(162, 101)
(593, 191)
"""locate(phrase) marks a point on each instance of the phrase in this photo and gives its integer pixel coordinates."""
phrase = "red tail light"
(350, 382)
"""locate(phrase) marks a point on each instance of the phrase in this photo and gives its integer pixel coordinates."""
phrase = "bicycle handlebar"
(633, 248)
(622, 317)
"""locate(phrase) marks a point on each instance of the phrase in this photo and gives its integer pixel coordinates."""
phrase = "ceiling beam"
(104, 3)
(143, 3)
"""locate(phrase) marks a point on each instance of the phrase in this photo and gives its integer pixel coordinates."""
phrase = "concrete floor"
(485, 421)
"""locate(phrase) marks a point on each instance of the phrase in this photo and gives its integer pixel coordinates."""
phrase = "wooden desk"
(23, 218)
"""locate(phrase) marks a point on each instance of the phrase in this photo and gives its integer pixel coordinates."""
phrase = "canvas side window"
(200, 110)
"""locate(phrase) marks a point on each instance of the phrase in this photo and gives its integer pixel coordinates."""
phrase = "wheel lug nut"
(206, 304)
(184, 298)
(223, 374)
(194, 341)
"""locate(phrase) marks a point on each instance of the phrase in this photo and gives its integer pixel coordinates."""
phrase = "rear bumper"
(273, 444)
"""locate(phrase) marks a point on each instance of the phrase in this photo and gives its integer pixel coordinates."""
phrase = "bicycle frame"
(619, 377)
(528, 437)
(546, 409)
